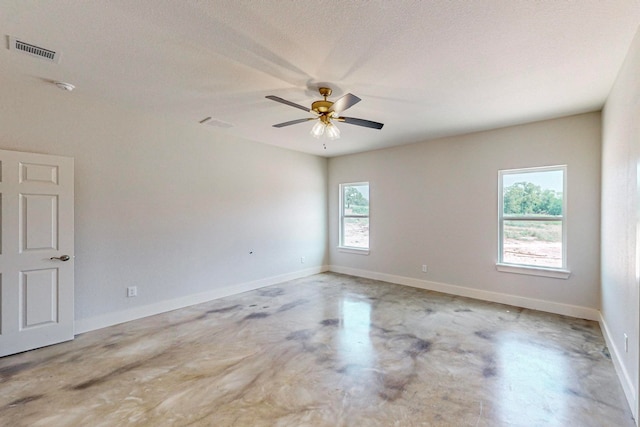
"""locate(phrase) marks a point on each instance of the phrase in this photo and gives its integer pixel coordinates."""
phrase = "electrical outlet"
(301, 260)
(424, 268)
(626, 343)
(132, 291)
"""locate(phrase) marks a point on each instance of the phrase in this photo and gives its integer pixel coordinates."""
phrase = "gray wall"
(173, 208)
(620, 206)
(435, 203)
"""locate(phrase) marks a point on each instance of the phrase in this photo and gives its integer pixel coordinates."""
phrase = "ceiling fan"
(327, 112)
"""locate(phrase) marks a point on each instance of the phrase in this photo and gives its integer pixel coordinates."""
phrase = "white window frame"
(559, 273)
(341, 246)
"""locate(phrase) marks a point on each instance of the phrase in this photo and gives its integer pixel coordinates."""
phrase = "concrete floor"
(327, 350)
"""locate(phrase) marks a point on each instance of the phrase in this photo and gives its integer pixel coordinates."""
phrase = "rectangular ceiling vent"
(33, 50)
(216, 123)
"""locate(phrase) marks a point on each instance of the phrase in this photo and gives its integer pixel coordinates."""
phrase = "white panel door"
(36, 251)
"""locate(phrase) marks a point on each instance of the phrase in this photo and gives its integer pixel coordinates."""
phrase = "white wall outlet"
(626, 343)
(301, 260)
(132, 291)
(424, 268)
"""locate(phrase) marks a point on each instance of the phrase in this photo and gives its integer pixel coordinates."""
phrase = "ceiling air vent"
(33, 50)
(216, 123)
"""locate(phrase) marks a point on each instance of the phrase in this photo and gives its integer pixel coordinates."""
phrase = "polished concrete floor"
(327, 350)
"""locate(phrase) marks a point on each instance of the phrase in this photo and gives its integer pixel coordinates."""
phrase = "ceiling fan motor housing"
(321, 107)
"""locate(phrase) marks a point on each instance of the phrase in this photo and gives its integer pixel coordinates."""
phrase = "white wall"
(620, 204)
(435, 203)
(174, 208)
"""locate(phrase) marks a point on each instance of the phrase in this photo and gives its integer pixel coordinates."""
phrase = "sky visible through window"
(548, 180)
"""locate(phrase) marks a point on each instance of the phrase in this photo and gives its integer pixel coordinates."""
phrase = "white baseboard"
(524, 302)
(110, 319)
(623, 374)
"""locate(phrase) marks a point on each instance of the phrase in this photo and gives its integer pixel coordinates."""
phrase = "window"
(532, 227)
(354, 216)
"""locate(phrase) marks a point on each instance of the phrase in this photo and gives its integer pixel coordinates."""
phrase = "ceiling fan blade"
(292, 104)
(347, 101)
(361, 122)
(293, 122)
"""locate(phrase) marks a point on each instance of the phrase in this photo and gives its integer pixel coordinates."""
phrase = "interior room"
(193, 233)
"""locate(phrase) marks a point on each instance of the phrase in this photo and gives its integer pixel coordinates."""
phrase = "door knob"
(62, 257)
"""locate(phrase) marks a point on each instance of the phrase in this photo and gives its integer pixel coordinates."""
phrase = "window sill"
(353, 250)
(556, 273)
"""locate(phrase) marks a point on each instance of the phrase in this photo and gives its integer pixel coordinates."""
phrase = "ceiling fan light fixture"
(332, 131)
(318, 129)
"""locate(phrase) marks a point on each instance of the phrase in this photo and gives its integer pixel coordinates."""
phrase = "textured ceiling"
(424, 68)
